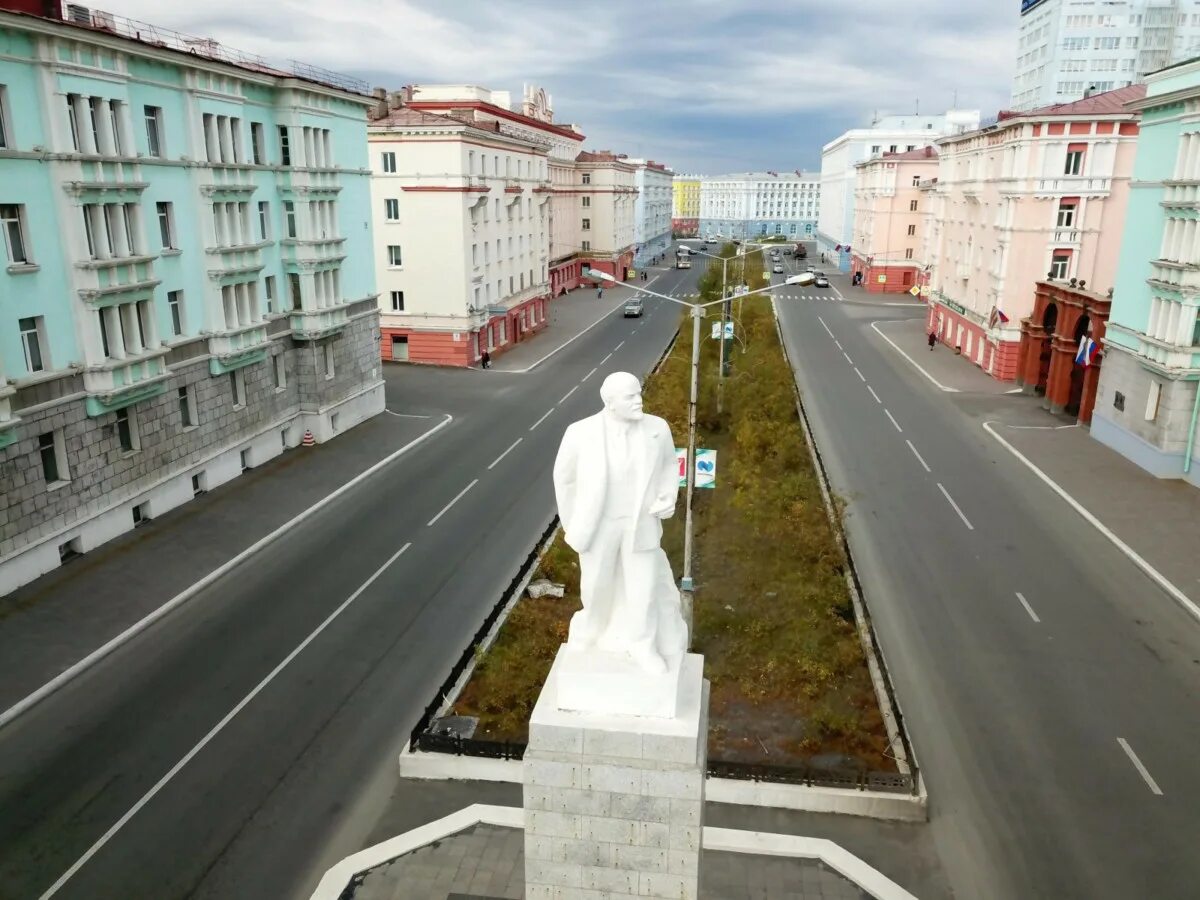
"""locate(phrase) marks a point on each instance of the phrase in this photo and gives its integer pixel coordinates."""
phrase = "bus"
(683, 258)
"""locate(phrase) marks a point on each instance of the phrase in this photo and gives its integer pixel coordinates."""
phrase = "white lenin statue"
(615, 478)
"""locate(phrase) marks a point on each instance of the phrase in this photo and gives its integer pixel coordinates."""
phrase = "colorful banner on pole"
(716, 331)
(706, 467)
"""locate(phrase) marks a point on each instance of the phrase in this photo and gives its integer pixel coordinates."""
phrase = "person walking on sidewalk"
(600, 293)
(932, 339)
(485, 360)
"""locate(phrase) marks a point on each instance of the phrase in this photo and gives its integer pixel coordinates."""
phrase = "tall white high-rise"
(1067, 47)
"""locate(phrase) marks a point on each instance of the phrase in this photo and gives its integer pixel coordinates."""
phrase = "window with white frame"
(12, 220)
(389, 162)
(5, 125)
(391, 209)
(154, 135)
(587, 225)
(264, 220)
(175, 308)
(128, 435)
(231, 224)
(258, 144)
(395, 259)
(587, 245)
(1066, 215)
(269, 292)
(328, 355)
(187, 407)
(52, 448)
(397, 301)
(111, 230)
(166, 224)
(1074, 163)
(289, 217)
(33, 339)
(587, 177)
(279, 371)
(239, 304)
(1153, 398)
(295, 294)
(285, 146)
(127, 329)
(1060, 263)
(237, 388)
(585, 202)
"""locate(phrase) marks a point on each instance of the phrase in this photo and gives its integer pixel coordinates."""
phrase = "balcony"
(1174, 276)
(1077, 185)
(320, 250)
(314, 324)
(117, 383)
(238, 347)
(1067, 237)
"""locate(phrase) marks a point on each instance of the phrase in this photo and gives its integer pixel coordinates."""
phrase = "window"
(175, 305)
(912, 229)
(257, 143)
(294, 290)
(127, 430)
(587, 177)
(187, 412)
(4, 126)
(289, 216)
(389, 162)
(237, 388)
(892, 148)
(52, 448)
(587, 245)
(875, 150)
(1074, 164)
(32, 340)
(587, 224)
(264, 218)
(1059, 265)
(328, 361)
(279, 371)
(12, 219)
(397, 301)
(908, 253)
(1066, 215)
(1118, 401)
(269, 290)
(395, 260)
(1152, 400)
(285, 151)
(585, 202)
(391, 210)
(166, 224)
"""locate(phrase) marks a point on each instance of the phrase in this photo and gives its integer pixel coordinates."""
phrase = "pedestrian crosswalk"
(827, 296)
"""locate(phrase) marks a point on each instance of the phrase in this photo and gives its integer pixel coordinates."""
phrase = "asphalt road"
(1036, 667)
(247, 741)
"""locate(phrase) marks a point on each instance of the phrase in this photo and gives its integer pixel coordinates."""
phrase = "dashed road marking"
(946, 494)
(1137, 764)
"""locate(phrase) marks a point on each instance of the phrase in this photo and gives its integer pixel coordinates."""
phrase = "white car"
(778, 270)
(804, 279)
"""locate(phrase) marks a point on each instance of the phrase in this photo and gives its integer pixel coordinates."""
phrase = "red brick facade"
(996, 358)
(884, 279)
(463, 348)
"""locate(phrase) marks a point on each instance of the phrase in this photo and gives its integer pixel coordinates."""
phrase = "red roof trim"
(496, 111)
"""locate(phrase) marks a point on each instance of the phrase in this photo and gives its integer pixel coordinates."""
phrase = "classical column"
(1087, 402)
(1058, 383)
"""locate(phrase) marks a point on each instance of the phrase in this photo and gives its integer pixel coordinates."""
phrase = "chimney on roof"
(928, 151)
(380, 109)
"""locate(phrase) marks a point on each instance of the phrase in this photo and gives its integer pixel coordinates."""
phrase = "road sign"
(915, 290)
(716, 331)
(706, 467)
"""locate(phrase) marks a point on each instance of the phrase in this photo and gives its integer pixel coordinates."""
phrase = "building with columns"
(760, 204)
(1039, 194)
(607, 190)
(1148, 402)
(479, 279)
(891, 219)
(188, 285)
(651, 210)
(685, 206)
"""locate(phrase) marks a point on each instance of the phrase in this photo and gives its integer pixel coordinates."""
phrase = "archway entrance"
(1075, 397)
(1049, 321)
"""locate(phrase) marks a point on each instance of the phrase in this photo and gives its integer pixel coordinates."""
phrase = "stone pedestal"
(614, 803)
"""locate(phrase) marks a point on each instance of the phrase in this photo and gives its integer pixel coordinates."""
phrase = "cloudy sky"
(702, 85)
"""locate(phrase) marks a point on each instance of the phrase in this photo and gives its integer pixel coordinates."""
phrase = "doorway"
(399, 348)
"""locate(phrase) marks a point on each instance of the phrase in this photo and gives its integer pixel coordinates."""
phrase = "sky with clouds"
(702, 85)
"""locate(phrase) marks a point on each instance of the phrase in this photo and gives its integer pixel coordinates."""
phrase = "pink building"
(891, 212)
(1037, 195)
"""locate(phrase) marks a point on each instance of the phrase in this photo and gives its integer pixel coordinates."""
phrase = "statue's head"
(622, 396)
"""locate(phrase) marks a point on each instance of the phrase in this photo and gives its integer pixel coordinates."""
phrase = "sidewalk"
(570, 315)
(852, 294)
(949, 371)
(52, 623)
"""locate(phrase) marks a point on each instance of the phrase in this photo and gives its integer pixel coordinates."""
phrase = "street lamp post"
(686, 584)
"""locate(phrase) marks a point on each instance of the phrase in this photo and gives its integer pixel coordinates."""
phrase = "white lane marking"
(1028, 608)
(618, 347)
(946, 494)
(893, 418)
(839, 345)
(1156, 576)
(916, 365)
(920, 459)
(541, 420)
(568, 394)
(505, 453)
(873, 394)
(606, 359)
(860, 375)
(826, 327)
(588, 375)
(405, 415)
(848, 359)
(446, 508)
(192, 590)
(1137, 764)
(216, 729)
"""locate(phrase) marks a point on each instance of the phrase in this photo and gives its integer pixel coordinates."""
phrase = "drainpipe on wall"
(1191, 441)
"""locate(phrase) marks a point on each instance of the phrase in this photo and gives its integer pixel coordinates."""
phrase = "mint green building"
(1148, 402)
(187, 286)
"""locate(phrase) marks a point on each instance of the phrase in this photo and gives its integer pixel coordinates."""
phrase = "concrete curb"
(724, 840)
(68, 675)
(844, 801)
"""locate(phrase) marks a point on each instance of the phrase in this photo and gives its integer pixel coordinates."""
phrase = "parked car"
(820, 280)
(633, 308)
(778, 270)
(812, 269)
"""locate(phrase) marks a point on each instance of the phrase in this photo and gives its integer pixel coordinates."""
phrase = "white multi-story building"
(1067, 47)
(754, 204)
(651, 210)
(460, 204)
(607, 194)
(841, 156)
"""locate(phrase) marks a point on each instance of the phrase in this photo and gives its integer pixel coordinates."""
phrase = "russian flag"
(1001, 316)
(1087, 351)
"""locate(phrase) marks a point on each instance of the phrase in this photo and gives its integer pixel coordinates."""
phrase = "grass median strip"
(773, 617)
